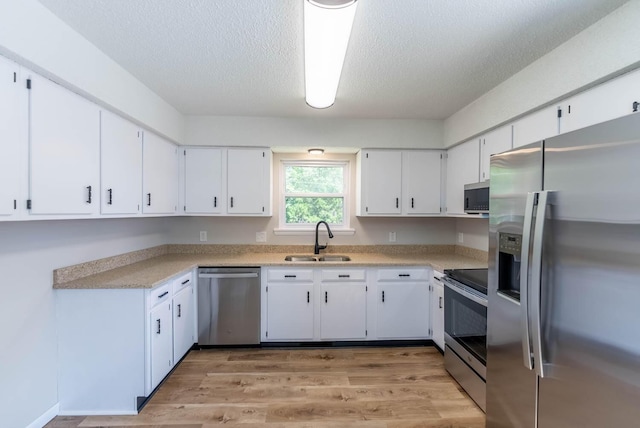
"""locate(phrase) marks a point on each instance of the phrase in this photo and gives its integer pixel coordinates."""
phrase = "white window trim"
(288, 229)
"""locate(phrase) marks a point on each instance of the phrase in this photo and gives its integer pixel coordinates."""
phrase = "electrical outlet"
(261, 236)
(203, 236)
(460, 237)
(392, 237)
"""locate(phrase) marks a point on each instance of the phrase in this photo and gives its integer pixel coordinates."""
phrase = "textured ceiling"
(406, 58)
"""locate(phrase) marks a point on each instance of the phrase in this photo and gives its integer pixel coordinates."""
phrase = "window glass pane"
(312, 210)
(314, 179)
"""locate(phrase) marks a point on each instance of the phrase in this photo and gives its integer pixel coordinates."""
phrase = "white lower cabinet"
(437, 310)
(116, 345)
(343, 313)
(403, 303)
(183, 317)
(160, 331)
(344, 304)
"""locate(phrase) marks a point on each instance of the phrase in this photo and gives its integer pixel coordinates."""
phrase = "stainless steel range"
(465, 326)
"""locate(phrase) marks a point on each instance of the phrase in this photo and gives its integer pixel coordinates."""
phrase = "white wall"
(304, 132)
(29, 252)
(604, 50)
(475, 233)
(33, 36)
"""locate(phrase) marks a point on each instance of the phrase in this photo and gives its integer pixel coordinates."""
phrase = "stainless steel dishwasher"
(228, 306)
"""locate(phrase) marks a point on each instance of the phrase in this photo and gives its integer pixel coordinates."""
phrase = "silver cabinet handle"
(536, 282)
(524, 279)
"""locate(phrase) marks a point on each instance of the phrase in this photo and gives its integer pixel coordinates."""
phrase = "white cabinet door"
(604, 102)
(463, 167)
(437, 314)
(536, 127)
(64, 151)
(203, 181)
(160, 175)
(249, 181)
(12, 138)
(343, 311)
(381, 182)
(183, 322)
(290, 311)
(496, 141)
(121, 165)
(161, 342)
(403, 310)
(421, 181)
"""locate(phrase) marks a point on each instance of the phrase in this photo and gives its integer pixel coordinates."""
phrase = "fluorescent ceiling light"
(327, 27)
(316, 151)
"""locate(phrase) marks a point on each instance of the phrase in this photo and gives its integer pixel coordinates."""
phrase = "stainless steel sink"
(326, 258)
(300, 259)
(334, 258)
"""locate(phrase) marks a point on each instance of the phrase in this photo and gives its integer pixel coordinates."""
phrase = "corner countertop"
(164, 262)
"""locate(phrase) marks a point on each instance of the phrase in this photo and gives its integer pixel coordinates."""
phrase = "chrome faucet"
(318, 247)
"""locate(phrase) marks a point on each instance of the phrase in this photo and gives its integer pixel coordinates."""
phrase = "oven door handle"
(466, 294)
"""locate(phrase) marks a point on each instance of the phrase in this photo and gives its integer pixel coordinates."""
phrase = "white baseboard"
(46, 417)
(97, 412)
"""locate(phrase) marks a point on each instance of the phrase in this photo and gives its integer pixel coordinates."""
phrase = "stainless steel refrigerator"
(564, 281)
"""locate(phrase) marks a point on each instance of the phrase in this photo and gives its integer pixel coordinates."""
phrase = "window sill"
(312, 231)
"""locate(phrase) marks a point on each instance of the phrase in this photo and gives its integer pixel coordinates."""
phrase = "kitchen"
(32, 250)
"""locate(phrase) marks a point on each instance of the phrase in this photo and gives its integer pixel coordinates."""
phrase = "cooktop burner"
(474, 278)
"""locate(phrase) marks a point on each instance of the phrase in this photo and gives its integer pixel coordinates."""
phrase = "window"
(312, 191)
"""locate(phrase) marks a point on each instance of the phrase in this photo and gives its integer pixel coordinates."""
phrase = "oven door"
(465, 324)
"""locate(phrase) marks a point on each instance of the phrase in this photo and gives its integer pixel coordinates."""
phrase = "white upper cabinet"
(463, 167)
(536, 126)
(604, 102)
(421, 182)
(204, 181)
(496, 141)
(249, 183)
(160, 175)
(64, 151)
(381, 182)
(12, 139)
(120, 165)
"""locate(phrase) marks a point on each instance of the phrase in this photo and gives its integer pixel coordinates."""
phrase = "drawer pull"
(404, 275)
(163, 294)
(344, 276)
(290, 276)
(186, 281)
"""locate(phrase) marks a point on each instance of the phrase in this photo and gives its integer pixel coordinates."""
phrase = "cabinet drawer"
(290, 275)
(159, 294)
(343, 275)
(182, 281)
(410, 274)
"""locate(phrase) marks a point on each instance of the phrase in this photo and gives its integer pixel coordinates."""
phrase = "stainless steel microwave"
(476, 198)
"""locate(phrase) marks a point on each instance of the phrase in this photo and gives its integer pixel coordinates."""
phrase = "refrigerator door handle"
(532, 198)
(536, 282)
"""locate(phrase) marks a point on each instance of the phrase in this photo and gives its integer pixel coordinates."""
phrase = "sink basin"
(333, 258)
(300, 259)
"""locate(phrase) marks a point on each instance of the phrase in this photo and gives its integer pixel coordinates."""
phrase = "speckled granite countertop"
(151, 267)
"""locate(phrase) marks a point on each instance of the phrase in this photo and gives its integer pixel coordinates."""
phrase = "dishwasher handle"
(228, 275)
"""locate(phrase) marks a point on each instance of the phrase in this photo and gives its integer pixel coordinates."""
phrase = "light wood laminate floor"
(364, 387)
